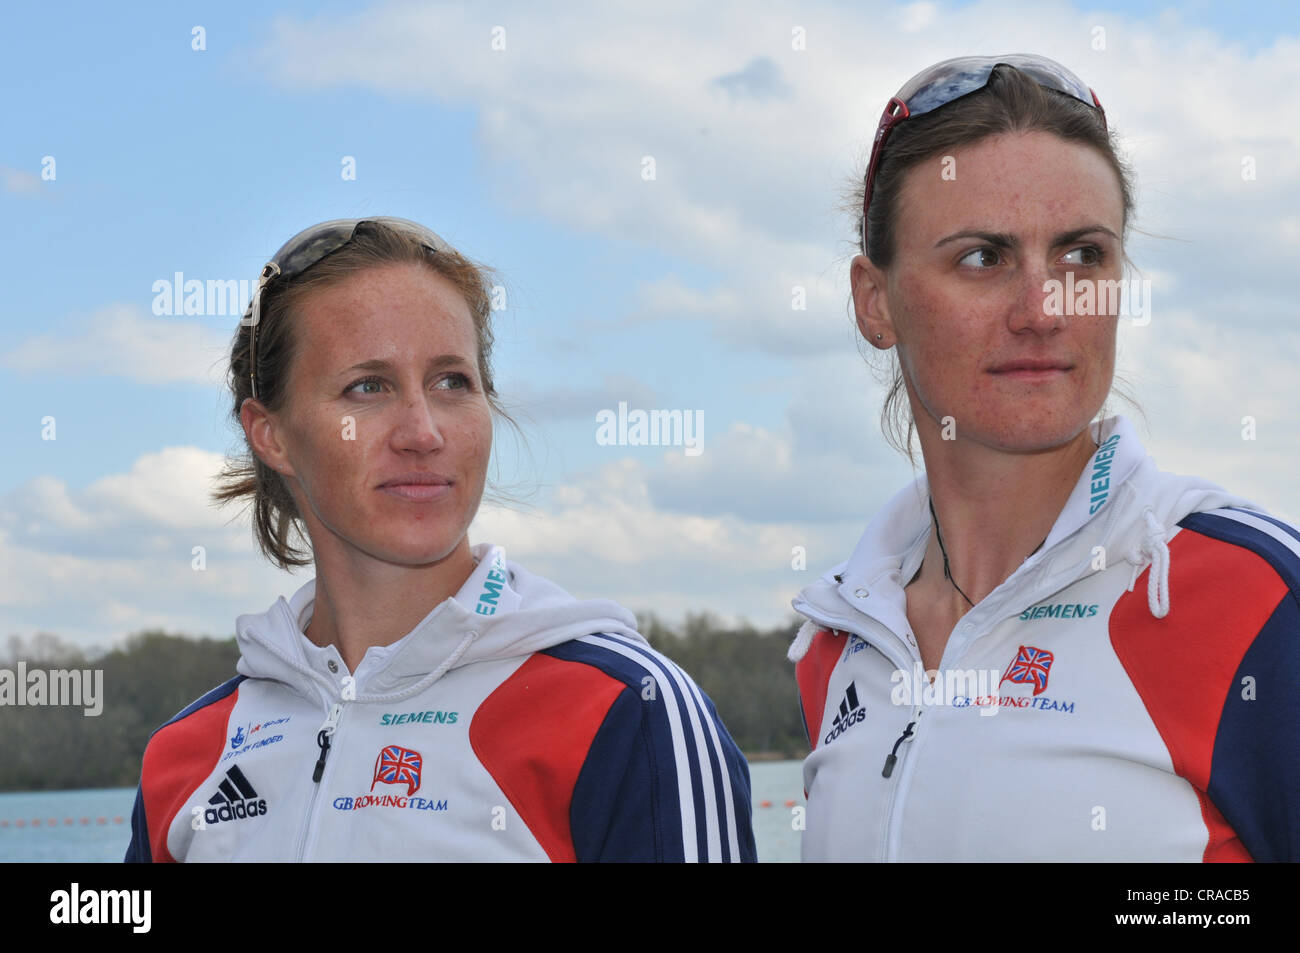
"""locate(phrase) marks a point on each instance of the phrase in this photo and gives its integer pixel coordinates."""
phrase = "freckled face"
(358, 438)
(970, 310)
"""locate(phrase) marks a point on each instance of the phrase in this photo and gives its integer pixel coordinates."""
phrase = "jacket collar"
(501, 611)
(274, 644)
(1121, 503)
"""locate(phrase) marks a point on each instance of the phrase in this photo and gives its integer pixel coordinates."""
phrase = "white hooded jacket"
(1123, 695)
(513, 723)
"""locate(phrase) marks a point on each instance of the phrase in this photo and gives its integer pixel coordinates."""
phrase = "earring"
(879, 336)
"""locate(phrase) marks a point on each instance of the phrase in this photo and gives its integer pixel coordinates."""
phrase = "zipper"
(910, 732)
(891, 759)
(896, 794)
(324, 740)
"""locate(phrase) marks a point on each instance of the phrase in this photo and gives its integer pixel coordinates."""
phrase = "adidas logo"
(851, 712)
(235, 799)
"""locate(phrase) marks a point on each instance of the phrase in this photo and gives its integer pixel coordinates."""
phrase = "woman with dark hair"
(421, 698)
(1045, 648)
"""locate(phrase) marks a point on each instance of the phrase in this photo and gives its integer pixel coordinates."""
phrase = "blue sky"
(673, 293)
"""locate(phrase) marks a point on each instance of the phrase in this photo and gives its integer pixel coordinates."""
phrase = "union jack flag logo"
(398, 765)
(1030, 668)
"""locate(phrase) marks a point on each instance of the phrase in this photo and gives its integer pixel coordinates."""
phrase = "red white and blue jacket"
(514, 723)
(1128, 693)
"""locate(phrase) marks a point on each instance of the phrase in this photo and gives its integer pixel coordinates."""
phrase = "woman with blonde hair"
(420, 698)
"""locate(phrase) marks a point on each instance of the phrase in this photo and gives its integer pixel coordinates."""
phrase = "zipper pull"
(323, 739)
(892, 758)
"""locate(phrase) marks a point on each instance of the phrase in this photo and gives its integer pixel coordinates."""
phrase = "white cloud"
(784, 313)
(580, 402)
(753, 143)
(1197, 379)
(166, 489)
(94, 564)
(916, 17)
(748, 184)
(602, 536)
(122, 341)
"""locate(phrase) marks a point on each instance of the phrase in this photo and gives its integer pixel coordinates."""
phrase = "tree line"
(154, 675)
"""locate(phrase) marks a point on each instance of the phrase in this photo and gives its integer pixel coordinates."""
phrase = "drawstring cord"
(415, 689)
(1155, 550)
(802, 641)
(429, 679)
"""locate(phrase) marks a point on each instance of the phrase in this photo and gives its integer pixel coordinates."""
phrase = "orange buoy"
(790, 802)
(764, 803)
(118, 819)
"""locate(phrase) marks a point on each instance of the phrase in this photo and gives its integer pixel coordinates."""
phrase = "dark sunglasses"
(310, 246)
(952, 79)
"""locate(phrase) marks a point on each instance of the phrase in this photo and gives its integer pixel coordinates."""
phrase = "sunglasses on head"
(310, 246)
(945, 82)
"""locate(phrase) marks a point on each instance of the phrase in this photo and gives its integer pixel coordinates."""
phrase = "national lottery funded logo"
(253, 735)
(400, 766)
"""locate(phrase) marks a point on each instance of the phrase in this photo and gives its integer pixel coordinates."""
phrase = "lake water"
(95, 826)
(66, 825)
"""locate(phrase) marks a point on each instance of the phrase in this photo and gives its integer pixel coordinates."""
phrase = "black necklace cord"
(946, 573)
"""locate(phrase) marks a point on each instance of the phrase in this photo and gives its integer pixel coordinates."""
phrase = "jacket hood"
(1122, 502)
(502, 611)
